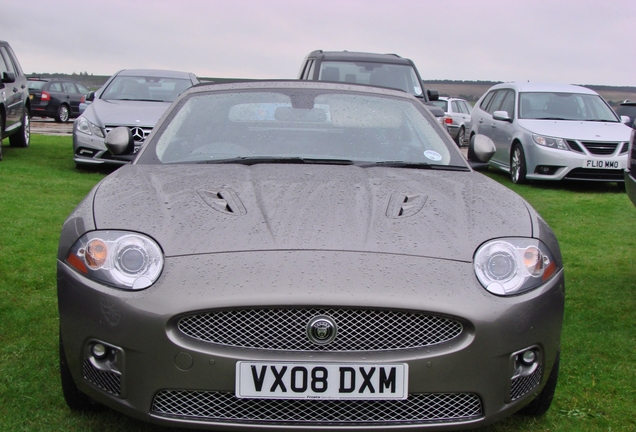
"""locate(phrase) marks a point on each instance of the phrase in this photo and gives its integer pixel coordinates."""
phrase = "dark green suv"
(14, 100)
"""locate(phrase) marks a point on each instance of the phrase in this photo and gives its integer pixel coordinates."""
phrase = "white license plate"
(321, 380)
(602, 164)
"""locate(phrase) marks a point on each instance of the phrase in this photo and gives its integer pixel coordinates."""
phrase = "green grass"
(595, 224)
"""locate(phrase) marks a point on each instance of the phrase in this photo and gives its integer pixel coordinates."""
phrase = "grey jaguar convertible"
(306, 255)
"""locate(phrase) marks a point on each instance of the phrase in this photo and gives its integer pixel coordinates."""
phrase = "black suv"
(380, 70)
(14, 100)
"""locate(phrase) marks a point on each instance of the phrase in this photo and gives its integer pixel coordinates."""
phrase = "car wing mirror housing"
(8, 77)
(433, 95)
(625, 120)
(90, 97)
(119, 140)
(483, 147)
(502, 115)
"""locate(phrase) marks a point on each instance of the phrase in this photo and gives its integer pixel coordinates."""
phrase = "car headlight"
(511, 266)
(557, 143)
(88, 128)
(119, 258)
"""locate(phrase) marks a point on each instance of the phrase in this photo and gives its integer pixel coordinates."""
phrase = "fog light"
(99, 350)
(528, 357)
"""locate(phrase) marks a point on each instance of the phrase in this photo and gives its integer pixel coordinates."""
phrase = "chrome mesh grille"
(524, 385)
(225, 407)
(107, 381)
(600, 148)
(285, 329)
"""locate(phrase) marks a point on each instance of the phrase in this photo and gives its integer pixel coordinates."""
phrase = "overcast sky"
(563, 41)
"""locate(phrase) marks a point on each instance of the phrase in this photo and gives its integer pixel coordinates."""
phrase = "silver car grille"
(286, 329)
(139, 134)
(225, 407)
(596, 147)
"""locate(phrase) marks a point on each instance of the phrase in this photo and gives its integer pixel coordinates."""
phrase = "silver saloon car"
(552, 132)
(135, 98)
(307, 255)
(457, 117)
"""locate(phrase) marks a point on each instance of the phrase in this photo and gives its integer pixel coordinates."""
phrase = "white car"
(456, 117)
(552, 132)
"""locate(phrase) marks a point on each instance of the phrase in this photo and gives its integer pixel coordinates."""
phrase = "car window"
(443, 104)
(83, 90)
(455, 107)
(161, 89)
(36, 85)
(55, 86)
(564, 106)
(69, 87)
(495, 104)
(486, 101)
(508, 104)
(465, 107)
(5, 61)
(360, 128)
(395, 76)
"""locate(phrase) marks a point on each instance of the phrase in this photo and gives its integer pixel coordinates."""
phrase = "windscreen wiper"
(418, 165)
(249, 160)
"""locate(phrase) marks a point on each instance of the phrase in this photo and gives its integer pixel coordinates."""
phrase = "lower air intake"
(225, 407)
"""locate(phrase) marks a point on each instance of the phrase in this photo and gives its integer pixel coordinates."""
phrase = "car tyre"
(75, 399)
(540, 405)
(63, 114)
(461, 137)
(22, 138)
(518, 165)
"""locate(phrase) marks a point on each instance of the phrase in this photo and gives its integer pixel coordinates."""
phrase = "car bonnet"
(125, 113)
(198, 209)
(578, 130)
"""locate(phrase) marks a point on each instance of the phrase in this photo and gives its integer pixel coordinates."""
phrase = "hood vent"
(403, 205)
(224, 201)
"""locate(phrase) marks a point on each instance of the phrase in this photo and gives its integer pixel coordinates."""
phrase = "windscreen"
(564, 106)
(305, 124)
(157, 89)
(395, 76)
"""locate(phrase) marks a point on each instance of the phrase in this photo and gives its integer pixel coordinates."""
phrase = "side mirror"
(119, 140)
(502, 115)
(90, 97)
(483, 148)
(8, 77)
(625, 120)
(433, 95)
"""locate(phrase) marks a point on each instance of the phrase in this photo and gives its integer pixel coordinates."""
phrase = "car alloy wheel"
(518, 165)
(62, 114)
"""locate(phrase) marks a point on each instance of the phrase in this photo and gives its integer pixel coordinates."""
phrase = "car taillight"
(83, 99)
(46, 96)
(448, 120)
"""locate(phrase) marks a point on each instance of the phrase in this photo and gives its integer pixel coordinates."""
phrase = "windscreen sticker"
(418, 91)
(433, 155)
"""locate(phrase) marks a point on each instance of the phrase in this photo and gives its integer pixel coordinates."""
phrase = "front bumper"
(91, 150)
(551, 164)
(163, 376)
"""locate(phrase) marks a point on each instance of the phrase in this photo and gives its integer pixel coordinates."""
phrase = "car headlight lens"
(119, 258)
(557, 143)
(510, 266)
(88, 128)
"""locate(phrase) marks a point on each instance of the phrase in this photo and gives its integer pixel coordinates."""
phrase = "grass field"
(596, 226)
